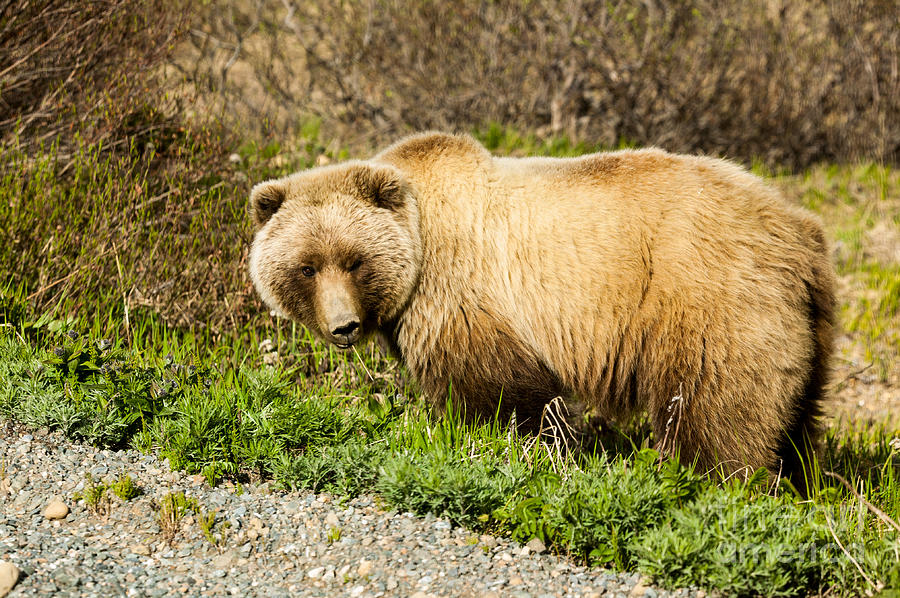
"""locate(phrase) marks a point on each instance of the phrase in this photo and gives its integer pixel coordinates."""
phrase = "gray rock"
(67, 577)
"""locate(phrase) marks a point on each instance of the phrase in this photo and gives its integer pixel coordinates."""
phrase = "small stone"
(332, 520)
(56, 509)
(489, 541)
(67, 577)
(535, 545)
(140, 549)
(315, 573)
(224, 560)
(9, 576)
(638, 591)
(365, 568)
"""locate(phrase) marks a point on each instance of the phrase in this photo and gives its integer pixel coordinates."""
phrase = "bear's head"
(337, 248)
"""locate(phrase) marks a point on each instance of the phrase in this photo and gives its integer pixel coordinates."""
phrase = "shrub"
(790, 83)
(87, 67)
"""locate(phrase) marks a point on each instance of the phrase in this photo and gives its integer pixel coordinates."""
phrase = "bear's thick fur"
(636, 279)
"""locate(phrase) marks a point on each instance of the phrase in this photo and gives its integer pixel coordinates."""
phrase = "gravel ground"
(278, 544)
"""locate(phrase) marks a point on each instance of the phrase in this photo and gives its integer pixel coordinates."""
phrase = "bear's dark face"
(337, 248)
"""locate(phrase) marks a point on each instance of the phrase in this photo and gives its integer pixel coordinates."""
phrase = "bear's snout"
(339, 312)
(345, 330)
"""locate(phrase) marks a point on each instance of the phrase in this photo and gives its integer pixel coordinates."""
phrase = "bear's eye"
(308, 271)
(355, 266)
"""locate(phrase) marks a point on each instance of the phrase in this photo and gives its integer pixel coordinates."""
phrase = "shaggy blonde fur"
(623, 279)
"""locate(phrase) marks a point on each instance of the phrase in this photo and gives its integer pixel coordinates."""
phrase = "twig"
(674, 410)
(362, 363)
(881, 514)
(142, 205)
(554, 414)
(852, 374)
(122, 290)
(46, 288)
(8, 325)
(849, 556)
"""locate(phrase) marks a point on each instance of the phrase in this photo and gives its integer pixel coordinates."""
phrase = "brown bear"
(636, 279)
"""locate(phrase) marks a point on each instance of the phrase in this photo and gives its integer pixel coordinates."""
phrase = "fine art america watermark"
(745, 556)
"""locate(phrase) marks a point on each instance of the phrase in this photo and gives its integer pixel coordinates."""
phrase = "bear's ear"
(383, 186)
(265, 199)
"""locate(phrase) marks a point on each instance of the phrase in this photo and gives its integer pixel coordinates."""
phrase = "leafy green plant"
(125, 488)
(94, 495)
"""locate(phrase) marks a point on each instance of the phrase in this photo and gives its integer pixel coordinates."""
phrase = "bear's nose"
(347, 329)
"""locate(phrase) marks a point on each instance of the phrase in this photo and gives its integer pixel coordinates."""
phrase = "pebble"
(365, 568)
(488, 541)
(9, 575)
(282, 548)
(535, 545)
(56, 509)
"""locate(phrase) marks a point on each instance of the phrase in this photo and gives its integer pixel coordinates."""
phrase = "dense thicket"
(790, 82)
(88, 68)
